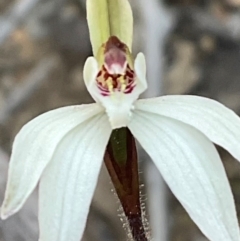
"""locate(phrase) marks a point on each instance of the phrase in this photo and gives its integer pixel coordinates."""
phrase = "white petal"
(68, 183)
(141, 71)
(33, 148)
(191, 166)
(118, 105)
(220, 124)
(90, 72)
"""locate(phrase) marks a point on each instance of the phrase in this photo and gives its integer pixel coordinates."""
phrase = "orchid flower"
(64, 148)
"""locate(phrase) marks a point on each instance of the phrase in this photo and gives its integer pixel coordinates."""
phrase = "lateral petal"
(192, 168)
(33, 148)
(69, 181)
(220, 124)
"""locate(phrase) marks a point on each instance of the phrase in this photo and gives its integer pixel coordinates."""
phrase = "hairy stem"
(122, 164)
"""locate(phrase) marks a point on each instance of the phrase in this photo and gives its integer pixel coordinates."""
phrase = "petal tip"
(4, 217)
(8, 208)
(4, 214)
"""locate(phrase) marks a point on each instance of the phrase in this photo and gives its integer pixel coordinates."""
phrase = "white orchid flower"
(64, 148)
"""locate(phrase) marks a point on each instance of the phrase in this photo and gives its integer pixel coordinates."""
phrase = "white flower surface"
(63, 149)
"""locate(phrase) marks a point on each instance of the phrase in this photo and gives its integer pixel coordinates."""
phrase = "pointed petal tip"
(9, 208)
(4, 214)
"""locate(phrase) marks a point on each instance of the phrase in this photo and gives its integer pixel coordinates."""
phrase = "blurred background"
(192, 47)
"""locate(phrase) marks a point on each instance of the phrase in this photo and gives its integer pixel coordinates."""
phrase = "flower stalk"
(122, 164)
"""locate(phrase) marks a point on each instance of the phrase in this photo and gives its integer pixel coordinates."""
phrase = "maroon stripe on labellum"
(103, 76)
(129, 90)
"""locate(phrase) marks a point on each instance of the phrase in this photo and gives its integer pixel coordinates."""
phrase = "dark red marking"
(115, 53)
(125, 178)
(99, 73)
